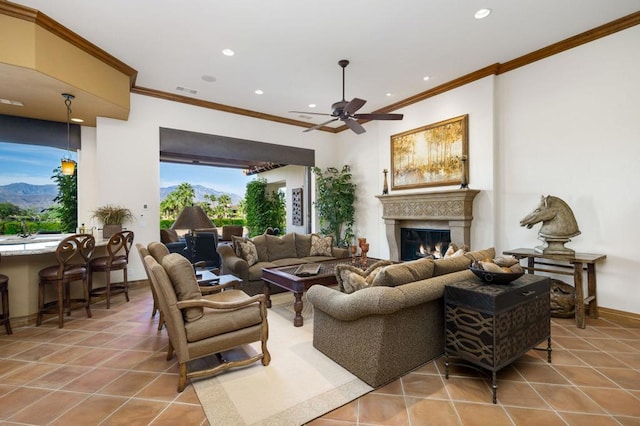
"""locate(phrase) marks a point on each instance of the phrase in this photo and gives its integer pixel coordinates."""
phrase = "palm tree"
(169, 207)
(224, 205)
(176, 201)
(185, 195)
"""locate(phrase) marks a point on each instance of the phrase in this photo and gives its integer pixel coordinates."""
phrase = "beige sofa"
(385, 330)
(272, 251)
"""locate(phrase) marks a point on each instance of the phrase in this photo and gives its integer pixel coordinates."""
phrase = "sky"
(222, 179)
(31, 164)
(34, 164)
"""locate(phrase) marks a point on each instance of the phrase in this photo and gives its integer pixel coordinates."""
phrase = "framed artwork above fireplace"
(432, 155)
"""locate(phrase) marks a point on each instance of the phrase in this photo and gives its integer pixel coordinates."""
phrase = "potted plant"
(335, 199)
(112, 218)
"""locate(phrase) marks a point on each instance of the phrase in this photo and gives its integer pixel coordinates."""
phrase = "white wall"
(370, 153)
(291, 177)
(87, 177)
(565, 126)
(569, 127)
(126, 162)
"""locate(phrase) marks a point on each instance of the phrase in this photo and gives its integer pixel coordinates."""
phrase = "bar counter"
(22, 259)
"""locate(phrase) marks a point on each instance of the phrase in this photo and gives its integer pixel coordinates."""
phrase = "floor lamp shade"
(192, 217)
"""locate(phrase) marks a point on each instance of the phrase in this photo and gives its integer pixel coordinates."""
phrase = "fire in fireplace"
(418, 243)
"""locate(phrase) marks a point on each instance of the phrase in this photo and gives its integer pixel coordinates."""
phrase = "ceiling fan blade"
(355, 126)
(317, 126)
(311, 113)
(354, 105)
(379, 116)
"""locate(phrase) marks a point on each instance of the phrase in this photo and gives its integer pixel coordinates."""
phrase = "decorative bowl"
(496, 277)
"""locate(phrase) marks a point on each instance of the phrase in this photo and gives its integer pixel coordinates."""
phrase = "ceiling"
(289, 49)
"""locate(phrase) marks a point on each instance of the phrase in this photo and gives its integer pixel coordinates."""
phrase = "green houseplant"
(335, 198)
(264, 209)
(112, 217)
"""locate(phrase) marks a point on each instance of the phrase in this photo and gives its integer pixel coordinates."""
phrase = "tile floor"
(594, 379)
(111, 369)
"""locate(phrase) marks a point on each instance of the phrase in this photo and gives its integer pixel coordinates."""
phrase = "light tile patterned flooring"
(111, 369)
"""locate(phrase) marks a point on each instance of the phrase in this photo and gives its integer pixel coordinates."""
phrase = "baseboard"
(31, 319)
(621, 317)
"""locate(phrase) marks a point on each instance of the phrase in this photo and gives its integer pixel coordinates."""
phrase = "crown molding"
(571, 42)
(220, 107)
(62, 32)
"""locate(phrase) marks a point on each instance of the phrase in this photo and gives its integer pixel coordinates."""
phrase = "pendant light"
(68, 166)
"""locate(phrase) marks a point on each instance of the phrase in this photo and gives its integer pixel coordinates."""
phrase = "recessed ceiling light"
(312, 105)
(228, 52)
(258, 92)
(77, 120)
(208, 78)
(482, 13)
(426, 77)
(389, 93)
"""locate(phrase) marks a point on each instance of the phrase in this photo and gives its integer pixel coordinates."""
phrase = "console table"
(491, 325)
(577, 262)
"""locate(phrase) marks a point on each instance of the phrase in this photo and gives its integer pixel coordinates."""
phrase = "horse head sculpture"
(558, 224)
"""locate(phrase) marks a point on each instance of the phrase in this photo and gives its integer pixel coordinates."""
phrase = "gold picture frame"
(432, 155)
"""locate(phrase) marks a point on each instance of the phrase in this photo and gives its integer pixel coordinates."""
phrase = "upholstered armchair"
(175, 244)
(199, 327)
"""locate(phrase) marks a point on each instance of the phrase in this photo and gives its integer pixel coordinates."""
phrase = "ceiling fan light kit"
(346, 110)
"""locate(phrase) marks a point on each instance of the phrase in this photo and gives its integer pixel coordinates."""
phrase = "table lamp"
(192, 218)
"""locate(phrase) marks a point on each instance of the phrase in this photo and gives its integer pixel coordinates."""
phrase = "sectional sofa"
(272, 251)
(395, 323)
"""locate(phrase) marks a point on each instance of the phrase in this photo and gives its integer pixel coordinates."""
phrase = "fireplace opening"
(419, 243)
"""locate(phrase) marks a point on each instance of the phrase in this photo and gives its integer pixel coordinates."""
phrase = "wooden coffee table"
(284, 277)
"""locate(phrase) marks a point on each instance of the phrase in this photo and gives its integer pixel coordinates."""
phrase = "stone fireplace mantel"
(451, 210)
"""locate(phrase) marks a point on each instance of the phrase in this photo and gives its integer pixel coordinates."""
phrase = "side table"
(575, 262)
(491, 325)
(210, 282)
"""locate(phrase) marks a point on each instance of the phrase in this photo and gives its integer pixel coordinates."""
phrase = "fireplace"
(450, 211)
(419, 243)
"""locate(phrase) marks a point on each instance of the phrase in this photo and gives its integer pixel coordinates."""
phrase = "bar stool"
(4, 293)
(73, 254)
(117, 259)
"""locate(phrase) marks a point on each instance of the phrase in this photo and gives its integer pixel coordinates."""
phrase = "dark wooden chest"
(491, 325)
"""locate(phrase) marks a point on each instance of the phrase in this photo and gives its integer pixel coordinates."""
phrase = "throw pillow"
(303, 245)
(372, 276)
(235, 241)
(372, 271)
(248, 252)
(261, 246)
(343, 272)
(321, 246)
(404, 273)
(184, 283)
(488, 253)
(451, 264)
(352, 281)
(280, 247)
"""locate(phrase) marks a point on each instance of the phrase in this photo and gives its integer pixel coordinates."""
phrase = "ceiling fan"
(345, 111)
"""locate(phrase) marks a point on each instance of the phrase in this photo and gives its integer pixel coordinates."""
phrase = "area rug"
(298, 385)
